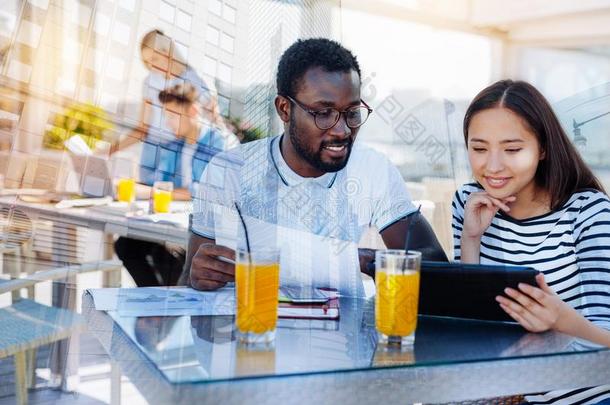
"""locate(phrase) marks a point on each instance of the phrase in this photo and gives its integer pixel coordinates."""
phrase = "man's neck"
(295, 162)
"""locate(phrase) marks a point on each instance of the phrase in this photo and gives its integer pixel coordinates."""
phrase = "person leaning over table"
(166, 67)
(318, 101)
(180, 161)
(536, 203)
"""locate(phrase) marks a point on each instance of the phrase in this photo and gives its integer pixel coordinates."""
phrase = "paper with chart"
(164, 301)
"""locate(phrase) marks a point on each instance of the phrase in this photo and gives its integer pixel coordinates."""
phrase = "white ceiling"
(561, 23)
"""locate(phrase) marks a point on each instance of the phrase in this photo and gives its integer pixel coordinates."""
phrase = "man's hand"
(365, 257)
(211, 267)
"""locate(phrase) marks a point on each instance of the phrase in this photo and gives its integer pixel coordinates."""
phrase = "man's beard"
(314, 157)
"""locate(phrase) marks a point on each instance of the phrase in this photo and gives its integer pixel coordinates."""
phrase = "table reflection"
(204, 348)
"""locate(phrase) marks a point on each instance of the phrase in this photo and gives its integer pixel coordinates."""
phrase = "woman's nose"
(494, 163)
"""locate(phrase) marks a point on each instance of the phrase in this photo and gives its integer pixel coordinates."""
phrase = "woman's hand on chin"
(480, 210)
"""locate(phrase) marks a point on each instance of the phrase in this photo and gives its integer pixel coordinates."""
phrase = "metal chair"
(26, 325)
(16, 232)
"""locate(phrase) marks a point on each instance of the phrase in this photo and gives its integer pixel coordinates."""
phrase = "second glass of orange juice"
(162, 196)
(257, 275)
(397, 284)
(126, 190)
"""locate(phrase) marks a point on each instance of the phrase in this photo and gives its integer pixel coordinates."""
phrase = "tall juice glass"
(126, 190)
(397, 284)
(257, 276)
(162, 196)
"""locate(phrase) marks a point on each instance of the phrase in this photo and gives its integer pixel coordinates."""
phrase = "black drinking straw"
(243, 223)
(408, 238)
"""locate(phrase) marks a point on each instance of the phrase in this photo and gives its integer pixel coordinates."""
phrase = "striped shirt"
(569, 245)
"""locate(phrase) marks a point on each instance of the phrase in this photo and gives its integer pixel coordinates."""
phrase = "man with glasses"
(312, 179)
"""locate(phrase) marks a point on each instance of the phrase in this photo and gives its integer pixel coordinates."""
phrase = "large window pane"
(227, 42)
(229, 13)
(212, 35)
(225, 72)
(215, 6)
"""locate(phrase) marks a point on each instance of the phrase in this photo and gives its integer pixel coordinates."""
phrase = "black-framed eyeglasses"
(328, 117)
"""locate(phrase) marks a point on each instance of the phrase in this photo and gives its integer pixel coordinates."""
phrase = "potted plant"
(86, 120)
(244, 131)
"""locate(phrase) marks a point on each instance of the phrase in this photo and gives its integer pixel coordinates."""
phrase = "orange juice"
(396, 303)
(257, 296)
(126, 190)
(161, 200)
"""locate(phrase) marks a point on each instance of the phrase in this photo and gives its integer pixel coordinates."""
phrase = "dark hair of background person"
(562, 172)
(311, 53)
(182, 93)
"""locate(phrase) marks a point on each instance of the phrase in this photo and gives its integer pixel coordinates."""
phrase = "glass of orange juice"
(126, 190)
(162, 196)
(397, 284)
(257, 275)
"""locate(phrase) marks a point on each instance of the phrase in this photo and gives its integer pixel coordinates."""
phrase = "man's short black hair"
(311, 53)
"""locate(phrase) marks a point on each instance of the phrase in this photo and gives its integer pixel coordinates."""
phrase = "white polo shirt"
(317, 222)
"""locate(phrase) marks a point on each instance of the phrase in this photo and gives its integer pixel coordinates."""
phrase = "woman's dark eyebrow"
(511, 140)
(504, 141)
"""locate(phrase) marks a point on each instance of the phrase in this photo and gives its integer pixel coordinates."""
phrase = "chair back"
(15, 227)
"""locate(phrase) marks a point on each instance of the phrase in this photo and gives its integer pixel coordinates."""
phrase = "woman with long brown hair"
(536, 203)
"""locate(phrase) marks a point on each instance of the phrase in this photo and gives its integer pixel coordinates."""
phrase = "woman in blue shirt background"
(180, 160)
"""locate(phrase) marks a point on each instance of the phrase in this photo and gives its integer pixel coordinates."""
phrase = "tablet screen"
(468, 290)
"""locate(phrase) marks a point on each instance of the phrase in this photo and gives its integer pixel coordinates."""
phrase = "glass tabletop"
(189, 349)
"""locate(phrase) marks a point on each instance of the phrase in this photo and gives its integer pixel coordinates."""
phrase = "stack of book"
(310, 303)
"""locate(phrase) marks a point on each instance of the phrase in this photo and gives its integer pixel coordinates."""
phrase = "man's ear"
(282, 106)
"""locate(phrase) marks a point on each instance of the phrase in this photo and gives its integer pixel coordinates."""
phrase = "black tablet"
(468, 290)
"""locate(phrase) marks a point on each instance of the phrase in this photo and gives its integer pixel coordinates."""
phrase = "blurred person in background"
(180, 160)
(167, 67)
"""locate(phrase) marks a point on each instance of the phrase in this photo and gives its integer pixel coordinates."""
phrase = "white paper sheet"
(164, 301)
(179, 219)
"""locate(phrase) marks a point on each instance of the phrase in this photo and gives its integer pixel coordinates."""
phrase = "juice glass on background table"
(162, 196)
(257, 276)
(397, 276)
(126, 190)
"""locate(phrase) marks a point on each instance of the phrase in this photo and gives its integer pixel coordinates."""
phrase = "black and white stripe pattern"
(571, 246)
